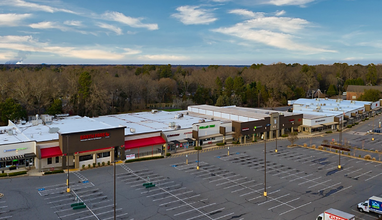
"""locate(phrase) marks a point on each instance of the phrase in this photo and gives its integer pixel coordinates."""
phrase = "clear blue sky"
(223, 32)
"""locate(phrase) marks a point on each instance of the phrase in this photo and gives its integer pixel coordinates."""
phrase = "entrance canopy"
(50, 152)
(144, 142)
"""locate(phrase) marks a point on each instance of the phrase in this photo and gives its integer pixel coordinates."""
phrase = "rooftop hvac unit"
(53, 130)
(62, 115)
(335, 109)
(178, 127)
(153, 111)
(201, 120)
(47, 119)
(10, 132)
(132, 130)
(177, 116)
(23, 122)
(171, 124)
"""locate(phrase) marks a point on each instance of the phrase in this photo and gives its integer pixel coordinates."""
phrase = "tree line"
(90, 90)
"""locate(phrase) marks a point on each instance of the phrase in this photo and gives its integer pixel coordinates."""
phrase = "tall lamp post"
(276, 141)
(339, 159)
(197, 144)
(67, 165)
(265, 167)
(115, 186)
(373, 126)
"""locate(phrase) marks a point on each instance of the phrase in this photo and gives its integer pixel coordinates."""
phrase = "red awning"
(144, 142)
(50, 152)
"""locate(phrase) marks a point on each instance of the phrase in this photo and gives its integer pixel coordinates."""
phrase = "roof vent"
(53, 130)
(171, 124)
(132, 130)
(153, 111)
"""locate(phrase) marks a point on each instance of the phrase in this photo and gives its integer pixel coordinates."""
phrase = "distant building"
(353, 92)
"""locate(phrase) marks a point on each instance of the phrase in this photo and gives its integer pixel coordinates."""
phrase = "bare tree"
(292, 138)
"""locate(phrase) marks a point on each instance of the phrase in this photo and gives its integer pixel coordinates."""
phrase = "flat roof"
(16, 137)
(243, 114)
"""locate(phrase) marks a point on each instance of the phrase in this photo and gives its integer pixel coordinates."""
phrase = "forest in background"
(94, 90)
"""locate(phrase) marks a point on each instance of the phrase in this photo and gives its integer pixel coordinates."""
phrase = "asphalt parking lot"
(300, 183)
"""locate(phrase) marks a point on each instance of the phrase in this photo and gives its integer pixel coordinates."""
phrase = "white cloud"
(131, 32)
(48, 25)
(279, 13)
(353, 58)
(129, 51)
(34, 6)
(287, 2)
(117, 30)
(12, 19)
(163, 57)
(132, 22)
(246, 13)
(194, 15)
(73, 23)
(279, 32)
(27, 43)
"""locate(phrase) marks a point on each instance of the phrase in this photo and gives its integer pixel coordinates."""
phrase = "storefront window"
(49, 160)
(86, 157)
(104, 154)
(57, 159)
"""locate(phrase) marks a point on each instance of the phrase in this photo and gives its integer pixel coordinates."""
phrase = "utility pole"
(115, 186)
(197, 144)
(265, 167)
(67, 165)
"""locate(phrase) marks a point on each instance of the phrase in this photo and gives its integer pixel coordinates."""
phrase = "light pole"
(339, 159)
(186, 159)
(115, 186)
(228, 152)
(373, 126)
(197, 144)
(276, 141)
(67, 165)
(265, 167)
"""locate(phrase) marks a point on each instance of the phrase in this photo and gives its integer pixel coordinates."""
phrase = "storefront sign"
(18, 149)
(130, 156)
(89, 137)
(188, 132)
(172, 135)
(245, 129)
(207, 126)
(319, 120)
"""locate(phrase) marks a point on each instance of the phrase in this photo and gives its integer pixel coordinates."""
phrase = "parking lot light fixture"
(265, 168)
(67, 165)
(339, 159)
(276, 143)
(197, 144)
(228, 152)
(186, 159)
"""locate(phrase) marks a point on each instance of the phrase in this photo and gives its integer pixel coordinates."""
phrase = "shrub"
(284, 135)
(99, 164)
(305, 145)
(94, 164)
(363, 119)
(83, 166)
(313, 146)
(320, 147)
(167, 155)
(235, 142)
(103, 163)
(17, 173)
(220, 144)
(359, 156)
(336, 151)
(374, 159)
(198, 148)
(108, 162)
(144, 158)
(348, 154)
(88, 165)
(3, 174)
(367, 118)
(328, 132)
(356, 123)
(53, 172)
(349, 126)
(367, 157)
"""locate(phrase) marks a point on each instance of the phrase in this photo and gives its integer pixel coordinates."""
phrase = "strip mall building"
(48, 142)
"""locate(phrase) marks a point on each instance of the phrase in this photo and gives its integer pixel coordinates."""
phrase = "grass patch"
(235, 142)
(198, 148)
(53, 172)
(284, 135)
(328, 132)
(3, 174)
(168, 154)
(144, 158)
(220, 144)
(17, 173)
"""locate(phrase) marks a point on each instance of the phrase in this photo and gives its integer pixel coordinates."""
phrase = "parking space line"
(342, 189)
(353, 171)
(319, 183)
(223, 177)
(300, 177)
(269, 193)
(226, 216)
(206, 214)
(255, 191)
(328, 187)
(5, 217)
(242, 184)
(116, 216)
(284, 203)
(295, 208)
(292, 174)
(363, 174)
(286, 171)
(165, 192)
(179, 200)
(273, 199)
(220, 184)
(172, 195)
(185, 205)
(373, 177)
(181, 213)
